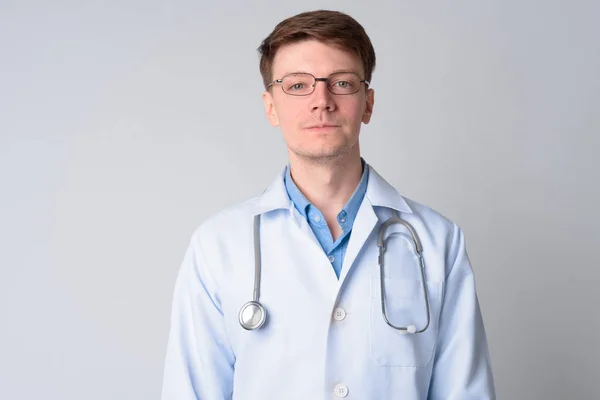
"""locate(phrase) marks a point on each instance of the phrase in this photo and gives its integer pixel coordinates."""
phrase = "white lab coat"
(303, 352)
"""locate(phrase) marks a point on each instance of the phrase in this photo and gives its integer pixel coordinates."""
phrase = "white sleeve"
(199, 361)
(462, 368)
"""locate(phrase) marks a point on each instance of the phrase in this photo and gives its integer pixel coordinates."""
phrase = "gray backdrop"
(124, 125)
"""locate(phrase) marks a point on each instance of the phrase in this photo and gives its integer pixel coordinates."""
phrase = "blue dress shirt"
(345, 218)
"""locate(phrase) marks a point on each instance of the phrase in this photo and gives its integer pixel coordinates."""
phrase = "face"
(321, 125)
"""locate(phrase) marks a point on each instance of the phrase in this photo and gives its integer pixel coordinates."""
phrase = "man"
(326, 321)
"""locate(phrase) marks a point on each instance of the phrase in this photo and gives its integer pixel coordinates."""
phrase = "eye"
(297, 86)
(343, 84)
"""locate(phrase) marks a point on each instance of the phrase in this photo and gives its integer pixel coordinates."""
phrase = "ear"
(270, 110)
(369, 106)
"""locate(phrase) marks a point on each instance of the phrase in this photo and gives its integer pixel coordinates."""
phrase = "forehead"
(317, 58)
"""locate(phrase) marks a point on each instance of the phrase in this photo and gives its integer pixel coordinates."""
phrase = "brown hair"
(330, 27)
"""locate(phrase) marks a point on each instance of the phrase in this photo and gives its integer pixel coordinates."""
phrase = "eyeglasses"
(303, 84)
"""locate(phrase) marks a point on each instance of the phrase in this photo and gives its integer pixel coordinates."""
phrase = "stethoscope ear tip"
(407, 330)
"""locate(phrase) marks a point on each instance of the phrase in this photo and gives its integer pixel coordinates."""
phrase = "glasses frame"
(326, 80)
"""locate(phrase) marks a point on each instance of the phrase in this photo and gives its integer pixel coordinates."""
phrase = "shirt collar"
(378, 191)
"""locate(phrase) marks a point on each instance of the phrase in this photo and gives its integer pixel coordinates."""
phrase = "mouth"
(322, 127)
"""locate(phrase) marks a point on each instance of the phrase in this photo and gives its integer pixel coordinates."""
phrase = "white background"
(123, 125)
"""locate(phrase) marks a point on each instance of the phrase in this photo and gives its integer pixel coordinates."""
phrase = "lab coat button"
(339, 314)
(341, 390)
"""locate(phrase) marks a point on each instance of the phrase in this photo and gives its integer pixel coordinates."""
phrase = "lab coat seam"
(455, 247)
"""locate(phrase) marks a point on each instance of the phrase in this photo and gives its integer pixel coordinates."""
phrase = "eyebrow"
(333, 72)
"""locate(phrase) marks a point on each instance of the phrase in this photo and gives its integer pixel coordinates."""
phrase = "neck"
(327, 184)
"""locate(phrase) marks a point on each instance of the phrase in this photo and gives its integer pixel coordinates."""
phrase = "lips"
(322, 126)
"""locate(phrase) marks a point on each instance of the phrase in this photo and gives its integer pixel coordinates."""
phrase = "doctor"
(288, 295)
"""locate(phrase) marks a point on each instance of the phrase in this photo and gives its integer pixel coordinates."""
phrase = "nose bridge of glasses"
(325, 81)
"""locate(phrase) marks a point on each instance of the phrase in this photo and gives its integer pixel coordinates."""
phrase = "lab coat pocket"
(405, 305)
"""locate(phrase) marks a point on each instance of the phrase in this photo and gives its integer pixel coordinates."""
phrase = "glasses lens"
(298, 84)
(344, 83)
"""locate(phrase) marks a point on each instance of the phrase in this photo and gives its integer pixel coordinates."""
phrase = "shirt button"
(339, 314)
(341, 390)
(331, 258)
(317, 218)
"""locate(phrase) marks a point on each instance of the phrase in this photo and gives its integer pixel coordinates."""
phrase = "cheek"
(285, 110)
(291, 117)
(352, 111)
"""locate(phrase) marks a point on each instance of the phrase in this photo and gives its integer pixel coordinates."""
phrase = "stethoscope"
(253, 314)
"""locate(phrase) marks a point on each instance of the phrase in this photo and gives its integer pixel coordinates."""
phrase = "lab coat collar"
(379, 192)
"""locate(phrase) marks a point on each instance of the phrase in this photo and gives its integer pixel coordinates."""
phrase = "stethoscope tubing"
(258, 314)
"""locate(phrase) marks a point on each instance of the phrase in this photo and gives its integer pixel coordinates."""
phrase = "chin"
(320, 153)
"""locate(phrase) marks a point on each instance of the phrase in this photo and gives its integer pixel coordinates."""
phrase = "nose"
(322, 98)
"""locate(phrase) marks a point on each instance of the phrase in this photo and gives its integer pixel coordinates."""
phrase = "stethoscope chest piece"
(252, 315)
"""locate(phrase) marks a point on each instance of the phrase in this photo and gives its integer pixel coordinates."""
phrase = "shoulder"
(442, 233)
(431, 218)
(227, 223)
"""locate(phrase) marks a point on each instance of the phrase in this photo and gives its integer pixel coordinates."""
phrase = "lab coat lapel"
(381, 194)
(305, 227)
(327, 273)
(276, 197)
(365, 221)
